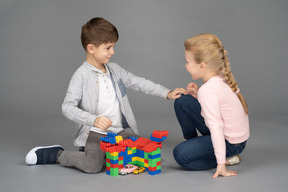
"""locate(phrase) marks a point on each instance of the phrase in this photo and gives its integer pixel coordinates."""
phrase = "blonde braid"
(230, 80)
(226, 71)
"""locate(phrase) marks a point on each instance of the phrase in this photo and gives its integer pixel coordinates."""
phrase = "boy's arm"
(71, 102)
(141, 84)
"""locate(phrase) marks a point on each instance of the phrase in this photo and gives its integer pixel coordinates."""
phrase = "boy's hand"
(192, 89)
(176, 93)
(102, 122)
(221, 170)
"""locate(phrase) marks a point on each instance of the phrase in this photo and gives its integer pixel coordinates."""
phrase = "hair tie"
(238, 90)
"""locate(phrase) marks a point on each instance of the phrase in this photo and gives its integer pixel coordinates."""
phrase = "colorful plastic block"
(137, 151)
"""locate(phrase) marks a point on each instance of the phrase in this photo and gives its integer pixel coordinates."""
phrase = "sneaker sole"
(31, 157)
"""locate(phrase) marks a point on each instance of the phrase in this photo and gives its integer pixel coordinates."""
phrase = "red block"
(114, 165)
(160, 134)
(152, 168)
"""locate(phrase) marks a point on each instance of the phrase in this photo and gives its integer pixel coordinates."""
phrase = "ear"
(90, 48)
(203, 66)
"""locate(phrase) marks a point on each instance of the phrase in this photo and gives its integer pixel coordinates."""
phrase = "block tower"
(138, 151)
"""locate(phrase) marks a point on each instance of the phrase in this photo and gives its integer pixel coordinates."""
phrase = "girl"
(225, 126)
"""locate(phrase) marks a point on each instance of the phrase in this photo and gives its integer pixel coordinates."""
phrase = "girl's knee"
(178, 155)
(186, 99)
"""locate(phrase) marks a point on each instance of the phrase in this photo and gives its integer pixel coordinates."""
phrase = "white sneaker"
(43, 155)
(234, 160)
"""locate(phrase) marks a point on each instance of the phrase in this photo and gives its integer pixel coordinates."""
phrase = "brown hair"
(208, 48)
(98, 31)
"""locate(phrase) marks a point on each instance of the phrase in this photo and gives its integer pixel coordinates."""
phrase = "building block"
(138, 151)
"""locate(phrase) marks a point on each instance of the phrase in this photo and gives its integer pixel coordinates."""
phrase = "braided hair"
(208, 48)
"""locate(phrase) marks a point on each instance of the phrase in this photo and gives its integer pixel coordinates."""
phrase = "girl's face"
(191, 66)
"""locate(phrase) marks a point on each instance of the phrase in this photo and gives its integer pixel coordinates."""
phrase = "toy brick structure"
(138, 151)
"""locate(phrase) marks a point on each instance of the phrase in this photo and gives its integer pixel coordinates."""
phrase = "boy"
(96, 100)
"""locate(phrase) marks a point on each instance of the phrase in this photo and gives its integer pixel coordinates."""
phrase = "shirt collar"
(93, 68)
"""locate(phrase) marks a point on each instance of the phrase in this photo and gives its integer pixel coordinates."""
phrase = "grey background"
(40, 49)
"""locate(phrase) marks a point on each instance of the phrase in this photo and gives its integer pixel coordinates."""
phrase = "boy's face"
(101, 54)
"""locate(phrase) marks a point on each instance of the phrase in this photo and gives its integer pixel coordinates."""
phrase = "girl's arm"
(211, 108)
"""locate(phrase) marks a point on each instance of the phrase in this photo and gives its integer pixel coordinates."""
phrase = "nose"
(112, 51)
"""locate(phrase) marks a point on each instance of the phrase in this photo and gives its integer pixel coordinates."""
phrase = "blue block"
(154, 172)
(108, 172)
(108, 140)
(140, 153)
(113, 161)
(133, 138)
(111, 134)
(122, 153)
(157, 139)
(154, 156)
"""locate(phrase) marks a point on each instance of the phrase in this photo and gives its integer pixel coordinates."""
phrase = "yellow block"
(129, 152)
(114, 154)
(140, 159)
(118, 138)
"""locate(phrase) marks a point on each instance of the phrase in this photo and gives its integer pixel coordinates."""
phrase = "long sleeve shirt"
(82, 98)
(223, 114)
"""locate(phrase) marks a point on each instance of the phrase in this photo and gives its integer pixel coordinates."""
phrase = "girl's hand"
(192, 89)
(102, 122)
(222, 171)
(176, 93)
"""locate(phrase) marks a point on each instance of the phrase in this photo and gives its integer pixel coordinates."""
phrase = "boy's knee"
(93, 168)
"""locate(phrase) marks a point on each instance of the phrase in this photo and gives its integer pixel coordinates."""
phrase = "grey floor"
(264, 166)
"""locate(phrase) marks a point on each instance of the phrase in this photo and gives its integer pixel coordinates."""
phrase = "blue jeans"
(197, 153)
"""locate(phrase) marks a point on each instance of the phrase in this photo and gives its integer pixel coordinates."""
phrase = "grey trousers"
(90, 160)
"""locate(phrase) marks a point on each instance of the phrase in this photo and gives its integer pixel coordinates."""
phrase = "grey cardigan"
(81, 101)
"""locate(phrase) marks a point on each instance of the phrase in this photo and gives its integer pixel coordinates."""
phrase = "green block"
(158, 167)
(114, 171)
(145, 155)
(108, 156)
(140, 164)
(107, 164)
(153, 162)
(157, 151)
(120, 162)
(114, 157)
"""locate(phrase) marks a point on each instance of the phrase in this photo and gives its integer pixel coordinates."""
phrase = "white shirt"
(108, 104)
